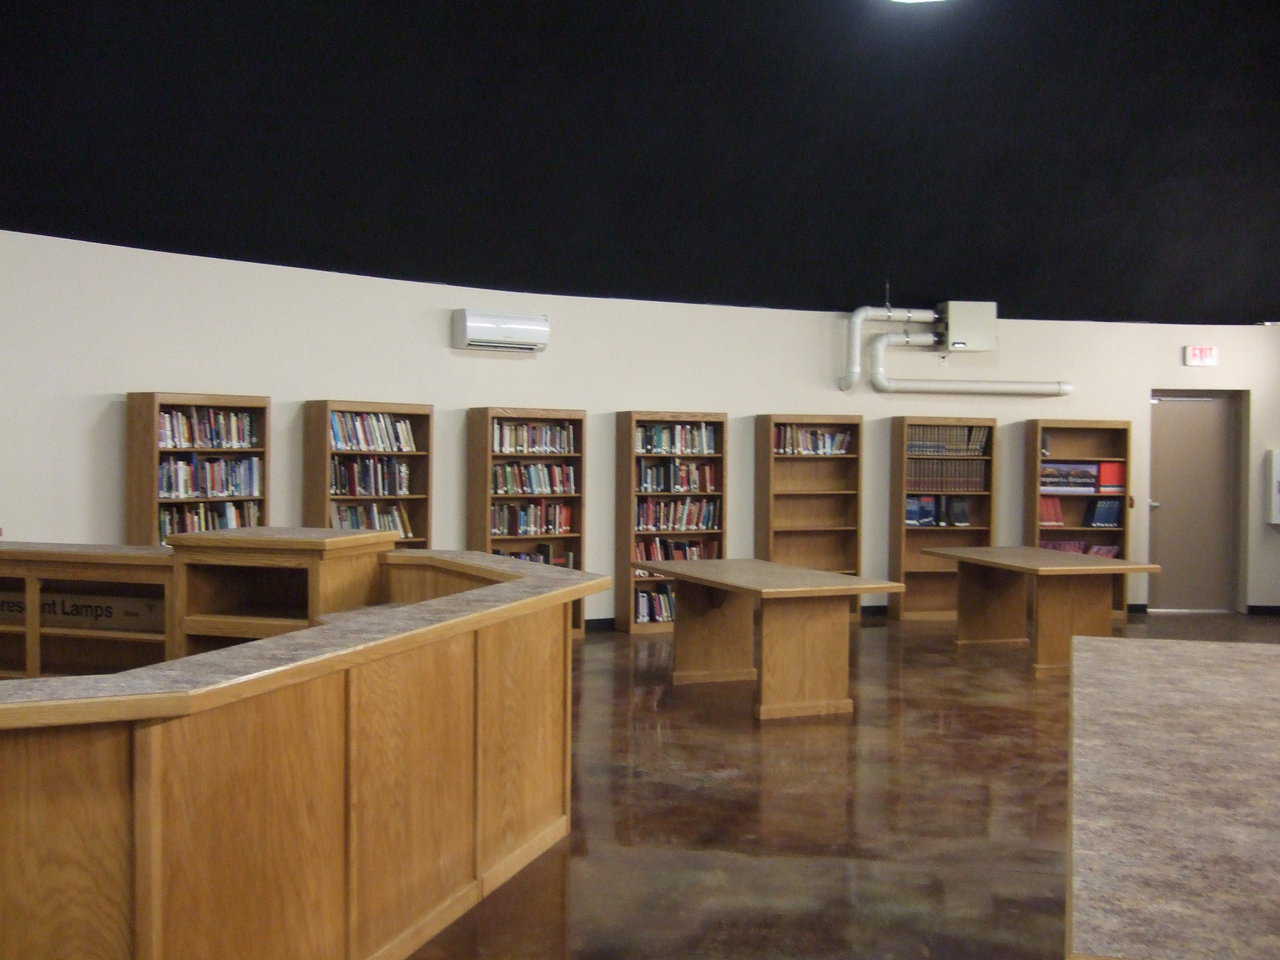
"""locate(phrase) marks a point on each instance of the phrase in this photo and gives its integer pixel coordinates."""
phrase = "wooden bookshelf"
(1101, 445)
(808, 491)
(505, 441)
(367, 484)
(154, 496)
(953, 461)
(633, 500)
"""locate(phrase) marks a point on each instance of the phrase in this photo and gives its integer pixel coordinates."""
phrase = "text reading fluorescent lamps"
(508, 332)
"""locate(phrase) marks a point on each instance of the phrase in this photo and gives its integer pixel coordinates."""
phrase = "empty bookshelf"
(943, 491)
(194, 462)
(670, 506)
(367, 466)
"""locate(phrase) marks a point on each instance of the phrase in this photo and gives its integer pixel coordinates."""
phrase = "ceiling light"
(915, 1)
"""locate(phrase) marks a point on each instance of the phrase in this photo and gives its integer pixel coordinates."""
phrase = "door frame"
(1239, 400)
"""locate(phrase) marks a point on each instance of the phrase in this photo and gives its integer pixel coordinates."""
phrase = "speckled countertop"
(338, 633)
(1175, 799)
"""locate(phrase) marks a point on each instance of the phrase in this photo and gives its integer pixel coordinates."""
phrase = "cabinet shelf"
(812, 529)
(535, 536)
(668, 533)
(209, 451)
(167, 500)
(128, 636)
(237, 625)
(535, 496)
(815, 493)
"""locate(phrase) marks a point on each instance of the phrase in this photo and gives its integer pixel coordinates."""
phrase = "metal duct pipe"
(1035, 388)
(891, 314)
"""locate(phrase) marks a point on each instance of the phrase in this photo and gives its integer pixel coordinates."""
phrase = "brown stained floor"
(930, 827)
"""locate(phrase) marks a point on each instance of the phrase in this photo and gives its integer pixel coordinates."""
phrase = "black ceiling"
(1097, 161)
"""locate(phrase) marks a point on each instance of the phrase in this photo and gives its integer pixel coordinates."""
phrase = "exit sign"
(1200, 356)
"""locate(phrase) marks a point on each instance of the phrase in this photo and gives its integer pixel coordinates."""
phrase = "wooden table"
(787, 627)
(1000, 589)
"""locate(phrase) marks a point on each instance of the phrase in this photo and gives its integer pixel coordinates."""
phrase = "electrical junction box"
(970, 325)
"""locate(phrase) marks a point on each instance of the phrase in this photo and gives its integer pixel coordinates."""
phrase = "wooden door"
(1195, 482)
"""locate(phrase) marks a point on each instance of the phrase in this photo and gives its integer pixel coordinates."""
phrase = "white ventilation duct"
(937, 336)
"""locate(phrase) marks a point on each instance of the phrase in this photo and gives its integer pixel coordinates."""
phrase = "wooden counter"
(341, 791)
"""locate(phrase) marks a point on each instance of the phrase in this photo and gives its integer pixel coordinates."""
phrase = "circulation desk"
(1000, 589)
(787, 628)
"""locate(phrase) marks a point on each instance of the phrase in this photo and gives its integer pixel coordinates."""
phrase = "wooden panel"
(992, 604)
(66, 844)
(837, 550)
(251, 851)
(407, 584)
(345, 583)
(522, 671)
(815, 473)
(829, 510)
(412, 749)
(929, 593)
(804, 658)
(714, 635)
(1065, 607)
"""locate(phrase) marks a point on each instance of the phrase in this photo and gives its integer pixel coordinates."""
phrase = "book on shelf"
(663, 548)
(530, 519)
(1109, 550)
(1065, 546)
(677, 514)
(677, 476)
(539, 479)
(955, 476)
(542, 553)
(1051, 512)
(956, 510)
(690, 439)
(206, 427)
(655, 605)
(1111, 477)
(1103, 512)
(369, 477)
(1059, 477)
(200, 517)
(370, 516)
(371, 431)
(534, 437)
(209, 477)
(791, 439)
(946, 440)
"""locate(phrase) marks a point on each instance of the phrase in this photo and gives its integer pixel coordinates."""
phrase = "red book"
(1111, 477)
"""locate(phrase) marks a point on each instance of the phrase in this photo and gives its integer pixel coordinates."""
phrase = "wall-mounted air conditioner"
(510, 332)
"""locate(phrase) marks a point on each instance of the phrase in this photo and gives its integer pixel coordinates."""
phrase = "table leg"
(992, 604)
(804, 657)
(1068, 606)
(714, 635)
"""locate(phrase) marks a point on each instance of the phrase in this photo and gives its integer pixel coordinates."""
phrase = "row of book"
(677, 514)
(943, 440)
(1103, 512)
(925, 510)
(1081, 546)
(950, 476)
(368, 477)
(209, 427)
(530, 519)
(543, 553)
(371, 431)
(370, 516)
(199, 517)
(790, 439)
(550, 438)
(1096, 477)
(677, 438)
(661, 548)
(534, 478)
(210, 477)
(676, 476)
(656, 606)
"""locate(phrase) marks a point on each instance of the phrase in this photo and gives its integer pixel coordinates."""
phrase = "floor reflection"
(931, 825)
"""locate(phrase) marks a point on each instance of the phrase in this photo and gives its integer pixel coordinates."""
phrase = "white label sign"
(1200, 356)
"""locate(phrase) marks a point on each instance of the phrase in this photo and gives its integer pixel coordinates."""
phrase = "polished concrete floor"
(931, 825)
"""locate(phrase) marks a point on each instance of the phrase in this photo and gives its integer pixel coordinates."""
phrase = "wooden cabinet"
(943, 494)
(367, 466)
(808, 491)
(238, 585)
(527, 485)
(671, 505)
(195, 461)
(1077, 489)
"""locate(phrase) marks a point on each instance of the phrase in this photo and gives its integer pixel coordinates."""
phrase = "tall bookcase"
(526, 485)
(194, 462)
(1080, 465)
(671, 474)
(944, 478)
(367, 466)
(808, 486)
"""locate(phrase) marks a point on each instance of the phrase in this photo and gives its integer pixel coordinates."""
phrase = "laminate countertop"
(339, 633)
(1175, 800)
